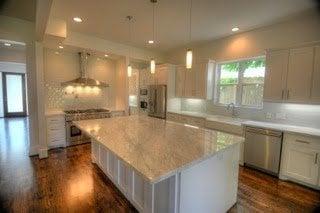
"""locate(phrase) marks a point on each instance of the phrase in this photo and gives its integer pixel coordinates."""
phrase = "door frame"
(5, 100)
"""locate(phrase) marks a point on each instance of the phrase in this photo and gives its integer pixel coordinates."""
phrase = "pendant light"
(152, 61)
(189, 51)
(129, 68)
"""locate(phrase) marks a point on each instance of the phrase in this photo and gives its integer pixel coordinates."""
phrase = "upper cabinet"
(276, 72)
(300, 74)
(293, 75)
(196, 82)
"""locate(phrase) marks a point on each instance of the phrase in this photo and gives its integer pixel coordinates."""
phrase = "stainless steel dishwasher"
(262, 149)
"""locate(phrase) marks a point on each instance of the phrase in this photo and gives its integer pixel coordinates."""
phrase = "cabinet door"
(191, 83)
(201, 80)
(161, 76)
(315, 93)
(302, 164)
(180, 80)
(299, 77)
(276, 71)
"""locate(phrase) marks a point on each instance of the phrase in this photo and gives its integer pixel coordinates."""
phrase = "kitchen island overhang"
(163, 166)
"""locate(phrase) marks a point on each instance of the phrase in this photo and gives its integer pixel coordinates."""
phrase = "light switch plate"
(281, 116)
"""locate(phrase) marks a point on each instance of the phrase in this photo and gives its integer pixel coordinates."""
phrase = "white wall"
(65, 66)
(300, 29)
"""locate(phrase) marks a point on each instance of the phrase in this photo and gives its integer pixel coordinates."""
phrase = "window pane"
(252, 94)
(14, 93)
(227, 94)
(254, 71)
(229, 73)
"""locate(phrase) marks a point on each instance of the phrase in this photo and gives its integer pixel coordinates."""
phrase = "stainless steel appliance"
(262, 149)
(74, 135)
(157, 99)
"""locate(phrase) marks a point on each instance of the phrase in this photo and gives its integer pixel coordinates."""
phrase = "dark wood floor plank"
(67, 181)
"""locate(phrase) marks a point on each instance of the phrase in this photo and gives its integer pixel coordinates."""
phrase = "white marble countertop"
(189, 113)
(262, 124)
(154, 147)
(284, 127)
(54, 112)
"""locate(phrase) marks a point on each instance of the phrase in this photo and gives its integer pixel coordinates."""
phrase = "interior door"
(14, 94)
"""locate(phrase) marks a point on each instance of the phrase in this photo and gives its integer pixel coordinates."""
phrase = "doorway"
(14, 94)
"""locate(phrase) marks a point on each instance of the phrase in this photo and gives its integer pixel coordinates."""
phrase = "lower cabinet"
(56, 131)
(300, 159)
(144, 196)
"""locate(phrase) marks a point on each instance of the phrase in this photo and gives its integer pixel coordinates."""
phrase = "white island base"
(207, 186)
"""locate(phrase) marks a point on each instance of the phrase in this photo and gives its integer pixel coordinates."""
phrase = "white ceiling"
(211, 19)
(22, 9)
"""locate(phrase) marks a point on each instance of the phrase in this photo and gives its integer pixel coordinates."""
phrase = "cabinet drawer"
(54, 142)
(301, 140)
(54, 134)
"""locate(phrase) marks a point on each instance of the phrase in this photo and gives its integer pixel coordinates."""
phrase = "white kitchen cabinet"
(315, 92)
(299, 79)
(300, 159)
(56, 131)
(275, 77)
(180, 81)
(196, 82)
(293, 75)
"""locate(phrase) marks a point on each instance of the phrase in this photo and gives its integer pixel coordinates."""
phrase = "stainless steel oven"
(75, 135)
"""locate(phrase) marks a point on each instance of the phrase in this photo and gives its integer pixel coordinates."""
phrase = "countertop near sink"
(243, 122)
(284, 127)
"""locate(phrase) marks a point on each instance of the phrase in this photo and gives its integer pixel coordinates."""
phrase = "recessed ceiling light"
(106, 55)
(60, 47)
(57, 53)
(235, 29)
(7, 44)
(77, 19)
(150, 41)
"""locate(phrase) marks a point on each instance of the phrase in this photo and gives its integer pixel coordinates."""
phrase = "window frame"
(239, 84)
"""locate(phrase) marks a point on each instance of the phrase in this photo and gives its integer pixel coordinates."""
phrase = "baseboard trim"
(33, 151)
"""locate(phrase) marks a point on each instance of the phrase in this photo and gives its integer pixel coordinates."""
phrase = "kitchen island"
(163, 166)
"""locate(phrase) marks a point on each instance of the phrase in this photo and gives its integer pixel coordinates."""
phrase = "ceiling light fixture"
(235, 29)
(152, 61)
(129, 69)
(77, 19)
(189, 51)
(60, 47)
(7, 44)
(106, 55)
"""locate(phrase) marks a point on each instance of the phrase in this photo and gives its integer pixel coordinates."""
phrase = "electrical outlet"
(269, 115)
(281, 116)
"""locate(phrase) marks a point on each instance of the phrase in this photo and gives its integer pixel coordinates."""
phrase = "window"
(241, 82)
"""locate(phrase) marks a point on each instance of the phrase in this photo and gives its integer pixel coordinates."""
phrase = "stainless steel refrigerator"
(157, 101)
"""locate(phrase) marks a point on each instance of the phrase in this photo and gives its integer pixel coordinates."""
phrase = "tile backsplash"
(293, 114)
(57, 99)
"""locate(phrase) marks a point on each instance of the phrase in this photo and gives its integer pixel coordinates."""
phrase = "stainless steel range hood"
(84, 80)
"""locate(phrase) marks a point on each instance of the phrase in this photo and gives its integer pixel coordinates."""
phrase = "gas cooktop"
(80, 111)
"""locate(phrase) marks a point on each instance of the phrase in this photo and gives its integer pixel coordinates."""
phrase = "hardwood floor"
(68, 181)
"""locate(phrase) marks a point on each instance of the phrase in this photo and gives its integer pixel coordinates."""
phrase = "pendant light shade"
(153, 62)
(189, 59)
(189, 51)
(129, 70)
(152, 66)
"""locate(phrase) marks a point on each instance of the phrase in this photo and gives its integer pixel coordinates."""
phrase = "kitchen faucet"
(231, 107)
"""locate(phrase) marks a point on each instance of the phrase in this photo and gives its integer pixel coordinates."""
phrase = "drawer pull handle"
(316, 159)
(301, 141)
